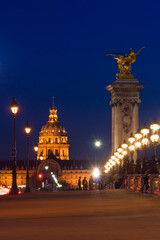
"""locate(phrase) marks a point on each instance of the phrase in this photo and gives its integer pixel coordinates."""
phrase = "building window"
(56, 152)
(49, 140)
(56, 140)
(63, 153)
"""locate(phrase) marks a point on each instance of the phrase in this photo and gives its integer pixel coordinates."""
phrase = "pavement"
(80, 215)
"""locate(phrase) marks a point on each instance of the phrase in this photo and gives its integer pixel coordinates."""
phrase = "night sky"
(59, 48)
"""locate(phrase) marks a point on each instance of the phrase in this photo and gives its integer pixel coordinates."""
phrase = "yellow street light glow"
(138, 135)
(131, 148)
(138, 145)
(111, 161)
(154, 138)
(27, 128)
(121, 156)
(96, 172)
(41, 156)
(124, 152)
(106, 166)
(117, 161)
(124, 145)
(145, 141)
(154, 126)
(14, 107)
(131, 139)
(119, 149)
(36, 147)
(113, 157)
(145, 130)
(116, 154)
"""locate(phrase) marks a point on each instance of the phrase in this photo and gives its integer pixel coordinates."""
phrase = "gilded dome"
(53, 138)
(53, 128)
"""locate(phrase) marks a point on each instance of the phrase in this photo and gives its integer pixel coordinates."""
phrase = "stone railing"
(136, 182)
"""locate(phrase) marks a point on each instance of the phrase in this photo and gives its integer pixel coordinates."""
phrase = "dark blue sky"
(58, 48)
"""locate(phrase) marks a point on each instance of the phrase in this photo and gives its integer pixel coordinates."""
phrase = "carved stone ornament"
(126, 118)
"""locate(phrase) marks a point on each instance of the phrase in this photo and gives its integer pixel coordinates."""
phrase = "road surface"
(80, 215)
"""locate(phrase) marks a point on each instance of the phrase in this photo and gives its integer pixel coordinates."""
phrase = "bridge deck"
(88, 215)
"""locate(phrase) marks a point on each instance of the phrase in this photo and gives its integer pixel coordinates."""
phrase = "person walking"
(79, 184)
(91, 183)
(85, 184)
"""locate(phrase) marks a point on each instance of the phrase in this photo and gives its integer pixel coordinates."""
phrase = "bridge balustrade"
(136, 182)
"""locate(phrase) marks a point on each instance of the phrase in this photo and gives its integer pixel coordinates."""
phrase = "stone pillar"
(113, 124)
(135, 120)
(125, 106)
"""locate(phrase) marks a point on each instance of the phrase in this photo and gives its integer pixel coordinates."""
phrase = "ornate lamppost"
(14, 190)
(138, 144)
(154, 138)
(36, 150)
(124, 146)
(131, 148)
(27, 130)
(145, 143)
(120, 157)
(41, 156)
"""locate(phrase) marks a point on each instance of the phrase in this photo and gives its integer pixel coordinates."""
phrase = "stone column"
(113, 125)
(117, 126)
(135, 121)
(125, 104)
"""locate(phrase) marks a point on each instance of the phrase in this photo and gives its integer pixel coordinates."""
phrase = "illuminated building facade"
(53, 138)
(52, 162)
(66, 172)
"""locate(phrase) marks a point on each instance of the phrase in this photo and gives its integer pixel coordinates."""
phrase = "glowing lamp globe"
(97, 143)
(145, 130)
(131, 139)
(124, 145)
(27, 128)
(36, 147)
(96, 173)
(14, 107)
(154, 126)
(138, 135)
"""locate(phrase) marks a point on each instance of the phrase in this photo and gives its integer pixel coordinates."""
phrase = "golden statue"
(124, 62)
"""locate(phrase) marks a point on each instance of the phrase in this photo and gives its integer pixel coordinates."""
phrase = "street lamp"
(154, 138)
(36, 150)
(41, 156)
(120, 157)
(36, 147)
(124, 145)
(98, 143)
(145, 143)
(14, 190)
(138, 144)
(27, 130)
(131, 148)
(96, 172)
